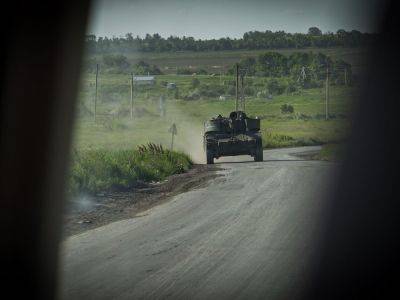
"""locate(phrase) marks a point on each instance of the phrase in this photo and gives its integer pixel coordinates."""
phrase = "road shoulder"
(91, 212)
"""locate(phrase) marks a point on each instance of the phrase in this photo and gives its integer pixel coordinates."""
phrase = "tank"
(233, 135)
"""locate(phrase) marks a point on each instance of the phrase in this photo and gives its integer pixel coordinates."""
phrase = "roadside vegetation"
(331, 152)
(96, 170)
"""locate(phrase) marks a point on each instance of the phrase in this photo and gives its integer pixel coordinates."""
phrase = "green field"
(115, 130)
(219, 61)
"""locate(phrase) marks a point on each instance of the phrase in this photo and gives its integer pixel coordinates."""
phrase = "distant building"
(144, 80)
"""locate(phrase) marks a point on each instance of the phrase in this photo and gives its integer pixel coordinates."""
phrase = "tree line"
(251, 40)
(307, 68)
(302, 66)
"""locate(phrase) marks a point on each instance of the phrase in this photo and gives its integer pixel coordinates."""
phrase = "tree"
(287, 109)
(272, 64)
(118, 62)
(143, 68)
(314, 31)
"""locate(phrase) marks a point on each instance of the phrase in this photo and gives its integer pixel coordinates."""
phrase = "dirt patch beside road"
(89, 212)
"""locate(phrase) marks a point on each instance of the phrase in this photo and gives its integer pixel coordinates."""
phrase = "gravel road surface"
(250, 234)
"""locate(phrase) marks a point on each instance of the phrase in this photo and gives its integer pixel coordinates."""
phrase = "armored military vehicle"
(233, 135)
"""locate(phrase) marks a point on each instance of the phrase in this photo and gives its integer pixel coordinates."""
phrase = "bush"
(116, 62)
(287, 109)
(275, 87)
(184, 71)
(143, 68)
(291, 87)
(201, 72)
(93, 171)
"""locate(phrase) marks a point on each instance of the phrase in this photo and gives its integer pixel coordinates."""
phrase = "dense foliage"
(301, 66)
(251, 40)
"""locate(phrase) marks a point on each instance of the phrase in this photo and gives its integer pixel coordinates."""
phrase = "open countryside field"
(102, 148)
(115, 130)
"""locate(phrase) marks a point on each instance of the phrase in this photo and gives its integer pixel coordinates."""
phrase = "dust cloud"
(191, 142)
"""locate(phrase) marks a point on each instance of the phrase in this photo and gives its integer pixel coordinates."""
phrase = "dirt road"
(249, 234)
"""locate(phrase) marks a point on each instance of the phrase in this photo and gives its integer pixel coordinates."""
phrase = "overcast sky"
(228, 18)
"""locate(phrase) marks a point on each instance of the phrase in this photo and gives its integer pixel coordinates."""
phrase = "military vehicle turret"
(233, 135)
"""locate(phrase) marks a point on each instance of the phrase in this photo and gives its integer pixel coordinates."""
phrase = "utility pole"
(242, 93)
(131, 95)
(345, 75)
(173, 131)
(327, 94)
(237, 89)
(95, 95)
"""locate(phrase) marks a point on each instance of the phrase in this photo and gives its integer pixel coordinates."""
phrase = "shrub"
(287, 109)
(291, 87)
(183, 71)
(93, 171)
(275, 87)
(201, 72)
(117, 62)
(143, 68)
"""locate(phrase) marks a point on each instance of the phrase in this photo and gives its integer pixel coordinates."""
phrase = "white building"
(144, 80)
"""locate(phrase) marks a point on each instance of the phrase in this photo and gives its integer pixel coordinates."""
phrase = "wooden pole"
(95, 95)
(327, 94)
(131, 95)
(237, 89)
(242, 93)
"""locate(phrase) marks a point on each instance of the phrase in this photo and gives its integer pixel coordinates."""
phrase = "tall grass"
(332, 152)
(275, 140)
(93, 171)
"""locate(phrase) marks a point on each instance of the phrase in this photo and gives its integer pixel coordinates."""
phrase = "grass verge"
(96, 170)
(331, 152)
